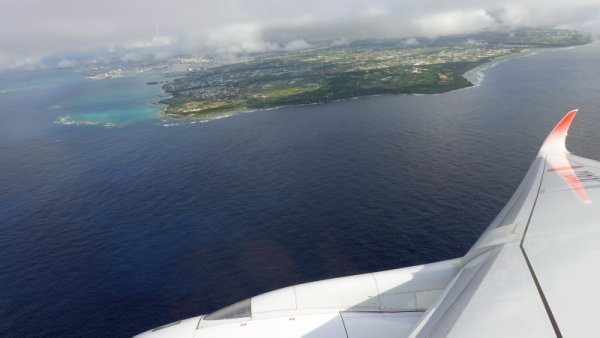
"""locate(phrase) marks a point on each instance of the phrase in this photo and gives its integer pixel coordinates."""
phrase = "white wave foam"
(68, 120)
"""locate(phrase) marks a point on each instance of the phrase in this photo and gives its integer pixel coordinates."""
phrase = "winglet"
(555, 142)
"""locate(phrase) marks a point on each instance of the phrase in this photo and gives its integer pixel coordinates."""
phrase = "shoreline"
(219, 115)
(474, 76)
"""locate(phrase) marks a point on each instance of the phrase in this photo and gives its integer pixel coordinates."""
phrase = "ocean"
(114, 220)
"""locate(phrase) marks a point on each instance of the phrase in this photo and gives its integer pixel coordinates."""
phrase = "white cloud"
(473, 42)
(513, 15)
(156, 41)
(296, 45)
(411, 42)
(31, 29)
(341, 42)
(237, 38)
(373, 12)
(454, 22)
(29, 63)
(132, 57)
(163, 54)
(11, 61)
(66, 63)
(592, 25)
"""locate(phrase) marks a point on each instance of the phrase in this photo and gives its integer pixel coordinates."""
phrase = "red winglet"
(555, 142)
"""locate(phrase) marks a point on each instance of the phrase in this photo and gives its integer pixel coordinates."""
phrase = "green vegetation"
(359, 68)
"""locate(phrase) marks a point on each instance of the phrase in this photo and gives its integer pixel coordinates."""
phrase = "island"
(340, 70)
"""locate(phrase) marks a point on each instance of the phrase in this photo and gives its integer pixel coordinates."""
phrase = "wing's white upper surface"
(562, 243)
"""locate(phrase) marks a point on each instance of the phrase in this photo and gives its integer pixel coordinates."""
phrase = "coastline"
(474, 77)
(477, 74)
(470, 75)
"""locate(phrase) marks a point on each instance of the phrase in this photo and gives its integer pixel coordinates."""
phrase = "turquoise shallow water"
(109, 102)
(112, 231)
(110, 117)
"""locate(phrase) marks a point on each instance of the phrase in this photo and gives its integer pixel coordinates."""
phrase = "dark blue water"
(112, 231)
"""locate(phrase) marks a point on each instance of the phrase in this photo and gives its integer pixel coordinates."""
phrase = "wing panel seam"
(530, 267)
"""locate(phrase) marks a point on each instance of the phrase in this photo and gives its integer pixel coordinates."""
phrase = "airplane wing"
(534, 272)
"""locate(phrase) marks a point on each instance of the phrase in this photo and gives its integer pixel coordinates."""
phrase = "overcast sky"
(32, 31)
